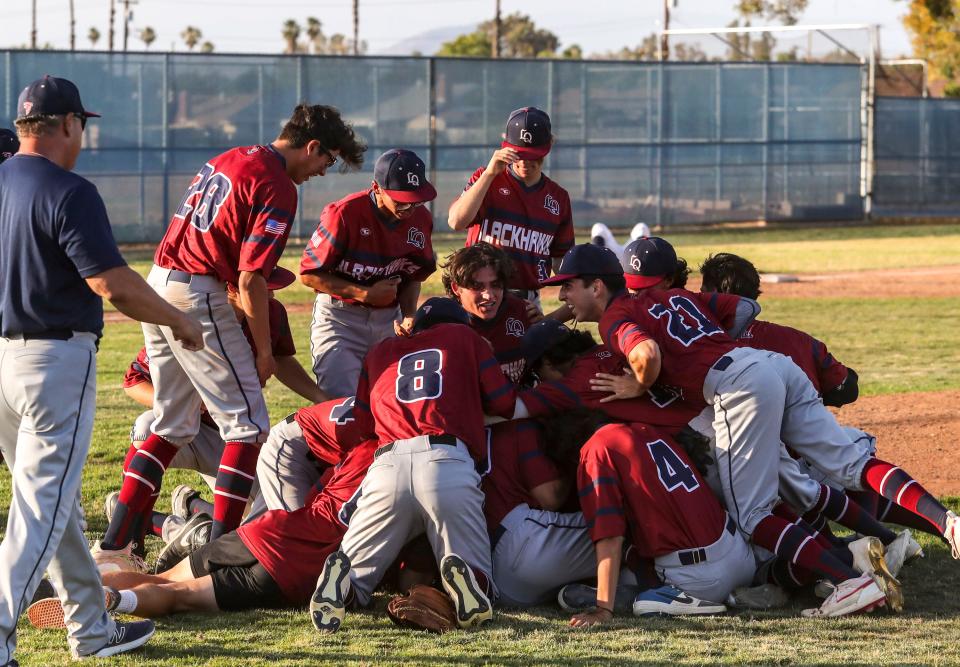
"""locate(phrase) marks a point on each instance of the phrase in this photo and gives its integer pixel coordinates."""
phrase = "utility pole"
(73, 28)
(496, 32)
(127, 17)
(356, 27)
(33, 32)
(113, 15)
(664, 38)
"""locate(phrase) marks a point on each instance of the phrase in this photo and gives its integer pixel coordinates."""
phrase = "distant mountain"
(427, 42)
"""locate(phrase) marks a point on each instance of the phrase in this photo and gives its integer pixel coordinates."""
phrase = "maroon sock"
(838, 506)
(156, 523)
(793, 544)
(141, 486)
(786, 512)
(895, 484)
(482, 581)
(238, 466)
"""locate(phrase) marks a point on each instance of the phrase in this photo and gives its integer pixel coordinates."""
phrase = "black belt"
(179, 276)
(49, 334)
(722, 364)
(694, 556)
(446, 440)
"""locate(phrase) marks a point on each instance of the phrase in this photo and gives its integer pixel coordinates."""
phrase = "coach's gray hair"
(39, 125)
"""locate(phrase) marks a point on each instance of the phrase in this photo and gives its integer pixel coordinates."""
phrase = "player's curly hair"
(565, 434)
(730, 274)
(324, 124)
(680, 274)
(567, 349)
(461, 265)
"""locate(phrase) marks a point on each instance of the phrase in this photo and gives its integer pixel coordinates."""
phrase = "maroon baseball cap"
(647, 261)
(280, 278)
(9, 144)
(528, 132)
(403, 176)
(586, 259)
(51, 96)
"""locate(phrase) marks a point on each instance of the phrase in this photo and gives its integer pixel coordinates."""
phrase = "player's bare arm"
(551, 495)
(644, 361)
(464, 209)
(381, 293)
(142, 393)
(295, 378)
(408, 296)
(132, 296)
(608, 573)
(252, 288)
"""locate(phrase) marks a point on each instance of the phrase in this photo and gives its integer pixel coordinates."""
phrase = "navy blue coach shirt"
(54, 232)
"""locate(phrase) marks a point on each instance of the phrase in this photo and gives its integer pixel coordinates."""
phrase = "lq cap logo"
(551, 204)
(635, 262)
(416, 238)
(413, 179)
(515, 327)
(526, 136)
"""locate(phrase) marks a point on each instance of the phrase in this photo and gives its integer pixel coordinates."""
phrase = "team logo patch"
(551, 205)
(505, 192)
(515, 327)
(416, 238)
(275, 227)
(413, 179)
(526, 137)
(365, 231)
(27, 108)
(604, 354)
(253, 149)
(635, 262)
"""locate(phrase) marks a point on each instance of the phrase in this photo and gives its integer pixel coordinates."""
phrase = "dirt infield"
(933, 281)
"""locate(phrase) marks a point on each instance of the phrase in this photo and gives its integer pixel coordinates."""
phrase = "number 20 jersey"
(441, 380)
(235, 216)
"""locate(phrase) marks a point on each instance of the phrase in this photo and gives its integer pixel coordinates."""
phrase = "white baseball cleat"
(472, 604)
(850, 597)
(328, 606)
(952, 534)
(119, 560)
(868, 558)
(902, 551)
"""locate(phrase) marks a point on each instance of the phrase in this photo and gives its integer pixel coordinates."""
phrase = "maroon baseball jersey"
(441, 380)
(505, 333)
(517, 465)
(329, 428)
(235, 216)
(281, 342)
(660, 406)
(357, 242)
(807, 352)
(532, 225)
(636, 482)
(688, 327)
(292, 546)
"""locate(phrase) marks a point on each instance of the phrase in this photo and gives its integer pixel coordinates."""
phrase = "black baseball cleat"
(126, 637)
(194, 534)
(472, 605)
(328, 606)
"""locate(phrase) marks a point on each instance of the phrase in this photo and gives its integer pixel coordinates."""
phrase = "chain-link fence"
(668, 143)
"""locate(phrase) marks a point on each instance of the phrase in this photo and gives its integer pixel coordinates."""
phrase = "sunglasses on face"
(331, 158)
(408, 207)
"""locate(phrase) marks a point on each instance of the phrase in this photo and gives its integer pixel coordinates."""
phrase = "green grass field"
(896, 344)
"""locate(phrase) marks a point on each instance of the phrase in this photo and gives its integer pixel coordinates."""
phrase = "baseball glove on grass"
(423, 608)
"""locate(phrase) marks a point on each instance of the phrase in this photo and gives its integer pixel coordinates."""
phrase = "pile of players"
(683, 463)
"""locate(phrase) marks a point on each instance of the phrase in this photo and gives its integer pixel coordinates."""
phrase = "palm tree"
(148, 36)
(191, 36)
(291, 32)
(94, 36)
(315, 33)
(206, 47)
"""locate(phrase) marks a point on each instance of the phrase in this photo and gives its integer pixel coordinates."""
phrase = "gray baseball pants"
(340, 335)
(285, 471)
(48, 390)
(416, 488)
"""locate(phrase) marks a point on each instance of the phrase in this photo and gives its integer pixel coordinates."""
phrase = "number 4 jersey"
(441, 380)
(635, 481)
(235, 216)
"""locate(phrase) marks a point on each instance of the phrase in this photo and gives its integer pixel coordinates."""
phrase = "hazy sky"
(255, 25)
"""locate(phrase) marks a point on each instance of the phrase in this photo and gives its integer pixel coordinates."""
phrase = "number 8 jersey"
(235, 216)
(441, 380)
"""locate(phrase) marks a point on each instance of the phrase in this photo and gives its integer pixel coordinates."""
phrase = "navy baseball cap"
(647, 261)
(541, 337)
(586, 259)
(439, 309)
(528, 132)
(53, 96)
(403, 176)
(9, 144)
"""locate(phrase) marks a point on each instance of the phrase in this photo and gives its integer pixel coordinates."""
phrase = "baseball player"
(601, 235)
(58, 259)
(9, 144)
(512, 204)
(204, 452)
(536, 548)
(477, 276)
(425, 397)
(758, 397)
(366, 261)
(272, 562)
(231, 227)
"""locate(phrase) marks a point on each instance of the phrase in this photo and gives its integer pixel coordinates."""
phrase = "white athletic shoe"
(172, 525)
(902, 551)
(328, 606)
(952, 534)
(764, 596)
(671, 601)
(180, 501)
(110, 504)
(120, 560)
(850, 596)
(639, 231)
(472, 604)
(868, 559)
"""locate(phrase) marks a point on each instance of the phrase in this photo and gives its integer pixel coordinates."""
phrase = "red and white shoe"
(851, 596)
(952, 534)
